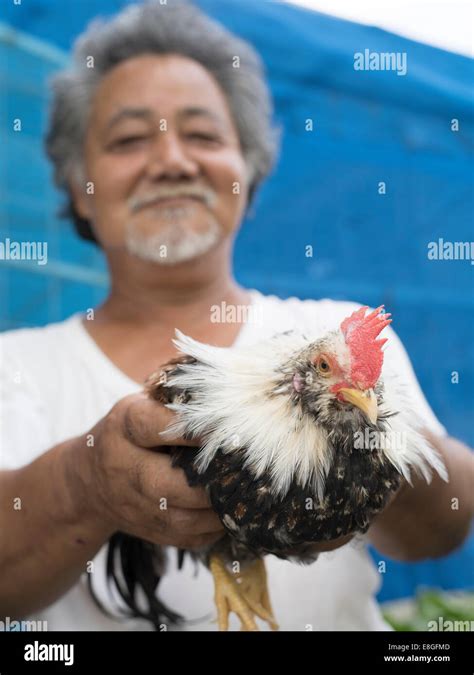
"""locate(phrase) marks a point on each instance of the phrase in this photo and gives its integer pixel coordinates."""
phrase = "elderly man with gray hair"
(160, 134)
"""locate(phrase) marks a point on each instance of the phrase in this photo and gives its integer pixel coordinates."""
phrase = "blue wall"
(368, 127)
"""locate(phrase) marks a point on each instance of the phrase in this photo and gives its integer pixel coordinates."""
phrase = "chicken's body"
(280, 425)
(358, 485)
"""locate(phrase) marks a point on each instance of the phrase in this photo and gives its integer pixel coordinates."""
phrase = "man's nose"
(169, 159)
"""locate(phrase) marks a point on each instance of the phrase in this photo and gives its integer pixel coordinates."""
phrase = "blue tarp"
(369, 127)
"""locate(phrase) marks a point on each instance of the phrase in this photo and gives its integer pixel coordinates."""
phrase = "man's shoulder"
(36, 342)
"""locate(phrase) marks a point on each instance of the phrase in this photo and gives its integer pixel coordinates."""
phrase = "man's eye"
(202, 136)
(127, 141)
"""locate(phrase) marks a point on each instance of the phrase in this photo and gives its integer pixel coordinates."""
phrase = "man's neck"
(150, 294)
(136, 324)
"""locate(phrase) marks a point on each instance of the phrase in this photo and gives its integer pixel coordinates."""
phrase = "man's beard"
(175, 241)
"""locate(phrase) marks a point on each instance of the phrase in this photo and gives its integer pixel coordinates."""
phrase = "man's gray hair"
(174, 27)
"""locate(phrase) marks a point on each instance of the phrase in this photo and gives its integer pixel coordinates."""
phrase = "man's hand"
(133, 485)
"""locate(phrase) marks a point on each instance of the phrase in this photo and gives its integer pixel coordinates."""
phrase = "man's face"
(164, 158)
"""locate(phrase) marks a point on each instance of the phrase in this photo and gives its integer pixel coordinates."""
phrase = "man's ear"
(80, 198)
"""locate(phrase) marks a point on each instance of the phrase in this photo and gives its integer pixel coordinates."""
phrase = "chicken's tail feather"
(136, 565)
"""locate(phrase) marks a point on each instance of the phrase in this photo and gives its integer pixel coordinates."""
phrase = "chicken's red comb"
(360, 333)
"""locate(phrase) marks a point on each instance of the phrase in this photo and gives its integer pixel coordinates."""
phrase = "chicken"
(301, 441)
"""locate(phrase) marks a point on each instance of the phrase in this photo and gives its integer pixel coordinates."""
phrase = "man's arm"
(48, 530)
(73, 497)
(429, 521)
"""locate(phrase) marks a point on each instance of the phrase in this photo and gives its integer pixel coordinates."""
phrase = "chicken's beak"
(364, 400)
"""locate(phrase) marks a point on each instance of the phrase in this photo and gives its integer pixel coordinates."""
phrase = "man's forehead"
(147, 86)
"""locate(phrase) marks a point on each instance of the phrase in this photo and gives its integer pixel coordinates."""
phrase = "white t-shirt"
(55, 383)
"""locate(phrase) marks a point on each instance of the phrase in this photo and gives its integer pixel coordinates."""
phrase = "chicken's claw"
(245, 593)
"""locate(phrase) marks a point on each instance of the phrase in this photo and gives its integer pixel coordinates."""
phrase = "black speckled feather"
(357, 488)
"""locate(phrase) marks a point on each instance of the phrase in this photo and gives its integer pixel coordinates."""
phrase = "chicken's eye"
(323, 366)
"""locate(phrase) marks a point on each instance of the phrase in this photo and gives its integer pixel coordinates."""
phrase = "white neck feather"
(232, 409)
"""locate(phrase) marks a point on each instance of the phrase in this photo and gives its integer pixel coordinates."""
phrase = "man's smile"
(171, 201)
(172, 197)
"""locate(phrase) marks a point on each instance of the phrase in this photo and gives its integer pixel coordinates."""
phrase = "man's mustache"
(202, 193)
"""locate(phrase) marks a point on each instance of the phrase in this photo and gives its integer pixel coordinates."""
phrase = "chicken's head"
(338, 376)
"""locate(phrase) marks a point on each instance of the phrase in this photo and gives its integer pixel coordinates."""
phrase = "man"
(174, 141)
